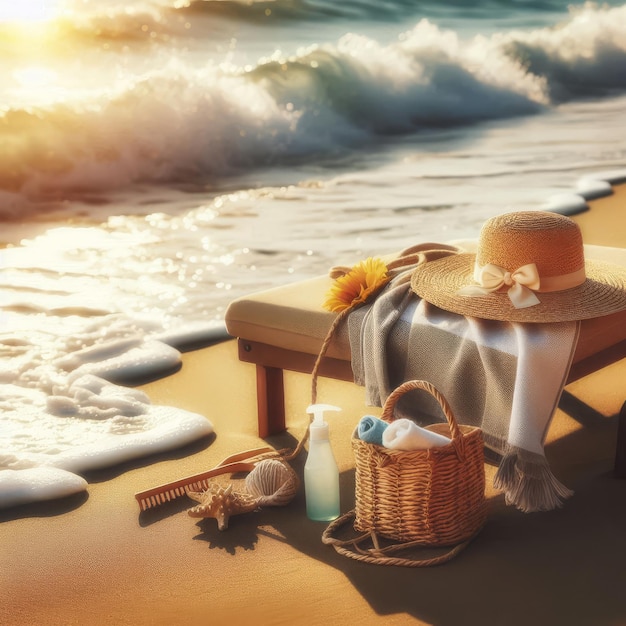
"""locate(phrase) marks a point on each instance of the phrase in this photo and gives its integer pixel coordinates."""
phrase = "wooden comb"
(241, 462)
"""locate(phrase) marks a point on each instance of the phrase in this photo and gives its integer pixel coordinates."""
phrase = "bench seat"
(283, 329)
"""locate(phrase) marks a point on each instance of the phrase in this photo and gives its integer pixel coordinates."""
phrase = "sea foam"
(61, 411)
(37, 484)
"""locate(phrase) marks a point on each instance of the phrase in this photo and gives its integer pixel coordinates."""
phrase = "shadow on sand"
(560, 567)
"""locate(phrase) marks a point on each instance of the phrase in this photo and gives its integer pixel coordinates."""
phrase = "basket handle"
(410, 385)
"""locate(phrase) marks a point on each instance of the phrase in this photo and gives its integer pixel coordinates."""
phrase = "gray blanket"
(505, 377)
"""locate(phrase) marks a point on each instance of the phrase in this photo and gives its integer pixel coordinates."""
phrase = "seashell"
(221, 503)
(272, 483)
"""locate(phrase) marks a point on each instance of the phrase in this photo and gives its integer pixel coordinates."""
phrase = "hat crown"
(529, 267)
(551, 241)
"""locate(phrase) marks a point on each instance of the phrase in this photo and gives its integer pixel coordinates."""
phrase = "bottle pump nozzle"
(319, 427)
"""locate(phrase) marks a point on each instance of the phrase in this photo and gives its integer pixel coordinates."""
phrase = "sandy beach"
(95, 559)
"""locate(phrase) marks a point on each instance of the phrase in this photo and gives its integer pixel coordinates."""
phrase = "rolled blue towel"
(371, 429)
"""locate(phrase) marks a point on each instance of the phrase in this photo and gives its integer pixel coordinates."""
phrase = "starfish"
(270, 483)
(221, 503)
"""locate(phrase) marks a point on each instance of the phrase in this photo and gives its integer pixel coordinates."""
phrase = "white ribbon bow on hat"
(521, 281)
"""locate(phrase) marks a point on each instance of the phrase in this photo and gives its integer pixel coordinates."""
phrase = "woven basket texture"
(435, 496)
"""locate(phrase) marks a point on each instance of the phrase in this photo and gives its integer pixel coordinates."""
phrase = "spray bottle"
(321, 474)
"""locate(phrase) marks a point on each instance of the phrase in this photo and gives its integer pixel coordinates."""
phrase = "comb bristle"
(199, 482)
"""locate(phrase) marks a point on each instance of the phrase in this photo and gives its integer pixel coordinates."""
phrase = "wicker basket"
(435, 496)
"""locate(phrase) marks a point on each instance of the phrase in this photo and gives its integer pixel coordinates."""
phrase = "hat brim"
(602, 293)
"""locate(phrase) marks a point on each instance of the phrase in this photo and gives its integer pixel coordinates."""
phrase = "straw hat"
(529, 267)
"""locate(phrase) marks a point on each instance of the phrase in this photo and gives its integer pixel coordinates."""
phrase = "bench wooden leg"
(270, 391)
(620, 450)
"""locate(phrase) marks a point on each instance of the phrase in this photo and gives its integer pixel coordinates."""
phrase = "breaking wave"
(186, 124)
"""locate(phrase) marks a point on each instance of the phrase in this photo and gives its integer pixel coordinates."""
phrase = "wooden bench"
(283, 329)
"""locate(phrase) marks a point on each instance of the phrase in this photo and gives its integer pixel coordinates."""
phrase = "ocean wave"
(266, 12)
(182, 124)
(581, 58)
(163, 21)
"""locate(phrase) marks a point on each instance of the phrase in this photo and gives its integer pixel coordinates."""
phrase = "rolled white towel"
(404, 434)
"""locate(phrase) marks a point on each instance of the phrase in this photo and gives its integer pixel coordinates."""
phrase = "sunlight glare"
(28, 11)
(34, 77)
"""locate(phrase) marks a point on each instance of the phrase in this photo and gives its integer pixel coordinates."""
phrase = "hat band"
(522, 283)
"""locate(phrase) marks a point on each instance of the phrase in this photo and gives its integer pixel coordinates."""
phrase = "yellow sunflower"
(365, 279)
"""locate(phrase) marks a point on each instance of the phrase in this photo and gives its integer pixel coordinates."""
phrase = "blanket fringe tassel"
(528, 483)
